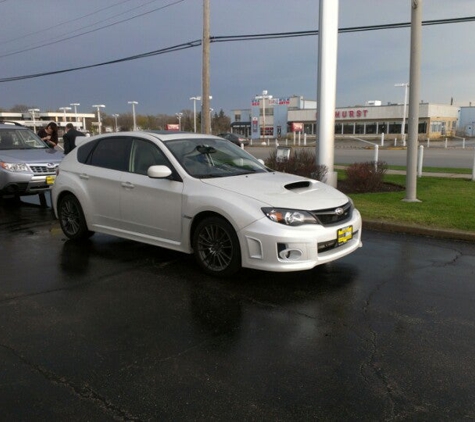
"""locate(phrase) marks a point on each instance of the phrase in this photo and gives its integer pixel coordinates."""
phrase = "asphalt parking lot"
(110, 329)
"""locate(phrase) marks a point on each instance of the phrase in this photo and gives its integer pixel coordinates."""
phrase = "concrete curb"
(384, 226)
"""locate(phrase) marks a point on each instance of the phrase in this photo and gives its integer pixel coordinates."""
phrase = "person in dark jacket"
(49, 134)
(69, 138)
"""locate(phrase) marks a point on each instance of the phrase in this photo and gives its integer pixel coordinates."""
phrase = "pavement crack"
(369, 369)
(84, 391)
(458, 255)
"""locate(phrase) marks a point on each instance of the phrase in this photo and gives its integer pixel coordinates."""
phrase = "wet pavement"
(110, 329)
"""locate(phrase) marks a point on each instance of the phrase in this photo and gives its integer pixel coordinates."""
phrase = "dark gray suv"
(27, 164)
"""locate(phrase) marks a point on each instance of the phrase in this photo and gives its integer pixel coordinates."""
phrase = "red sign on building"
(296, 127)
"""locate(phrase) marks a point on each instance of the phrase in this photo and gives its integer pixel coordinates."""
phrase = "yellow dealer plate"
(344, 235)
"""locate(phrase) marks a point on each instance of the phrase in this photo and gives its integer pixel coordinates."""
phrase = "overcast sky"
(50, 35)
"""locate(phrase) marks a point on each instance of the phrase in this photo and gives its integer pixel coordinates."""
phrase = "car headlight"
(14, 167)
(289, 217)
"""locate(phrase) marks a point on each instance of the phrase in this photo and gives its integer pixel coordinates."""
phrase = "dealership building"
(279, 117)
(34, 119)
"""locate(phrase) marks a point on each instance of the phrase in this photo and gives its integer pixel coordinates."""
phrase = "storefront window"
(394, 127)
(371, 128)
(348, 128)
(309, 128)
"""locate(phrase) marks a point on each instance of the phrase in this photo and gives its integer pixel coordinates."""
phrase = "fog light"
(290, 254)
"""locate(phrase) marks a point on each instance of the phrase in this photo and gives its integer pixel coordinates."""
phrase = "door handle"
(84, 176)
(127, 185)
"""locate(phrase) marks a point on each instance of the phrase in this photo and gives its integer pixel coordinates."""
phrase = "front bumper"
(271, 246)
(25, 184)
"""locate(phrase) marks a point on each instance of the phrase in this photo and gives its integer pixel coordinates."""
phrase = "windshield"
(206, 158)
(20, 139)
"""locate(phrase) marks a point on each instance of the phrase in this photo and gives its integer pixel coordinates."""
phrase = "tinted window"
(145, 154)
(84, 151)
(111, 153)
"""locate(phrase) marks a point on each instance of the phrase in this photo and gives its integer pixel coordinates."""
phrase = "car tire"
(71, 218)
(216, 247)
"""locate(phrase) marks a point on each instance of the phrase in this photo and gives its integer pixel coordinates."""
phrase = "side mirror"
(158, 172)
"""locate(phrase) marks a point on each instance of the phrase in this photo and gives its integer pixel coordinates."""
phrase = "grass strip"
(445, 204)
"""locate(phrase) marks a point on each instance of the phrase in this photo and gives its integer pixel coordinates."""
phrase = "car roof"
(162, 135)
(173, 135)
(11, 125)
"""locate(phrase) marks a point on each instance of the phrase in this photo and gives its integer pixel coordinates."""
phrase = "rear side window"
(111, 153)
(84, 151)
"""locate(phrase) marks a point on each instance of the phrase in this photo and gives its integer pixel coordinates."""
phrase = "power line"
(178, 47)
(63, 23)
(277, 35)
(92, 30)
(249, 37)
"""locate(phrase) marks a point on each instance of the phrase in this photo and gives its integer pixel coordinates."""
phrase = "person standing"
(49, 134)
(69, 137)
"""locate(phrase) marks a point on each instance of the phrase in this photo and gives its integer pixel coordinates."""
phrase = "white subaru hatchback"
(204, 195)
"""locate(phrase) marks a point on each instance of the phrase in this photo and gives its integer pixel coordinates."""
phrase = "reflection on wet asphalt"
(110, 329)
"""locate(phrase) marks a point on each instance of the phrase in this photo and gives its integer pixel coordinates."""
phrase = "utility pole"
(326, 87)
(413, 121)
(205, 105)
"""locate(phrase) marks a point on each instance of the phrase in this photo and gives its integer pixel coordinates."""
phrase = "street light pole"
(179, 116)
(263, 97)
(403, 128)
(64, 112)
(194, 99)
(133, 113)
(115, 117)
(32, 112)
(205, 89)
(75, 105)
(414, 80)
(99, 124)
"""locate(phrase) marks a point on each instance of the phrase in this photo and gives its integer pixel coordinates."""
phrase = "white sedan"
(204, 195)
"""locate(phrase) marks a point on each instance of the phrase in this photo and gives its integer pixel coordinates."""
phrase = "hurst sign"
(356, 113)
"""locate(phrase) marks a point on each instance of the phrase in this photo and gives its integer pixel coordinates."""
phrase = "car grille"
(43, 169)
(332, 216)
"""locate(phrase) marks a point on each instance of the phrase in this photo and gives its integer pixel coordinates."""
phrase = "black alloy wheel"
(71, 218)
(216, 247)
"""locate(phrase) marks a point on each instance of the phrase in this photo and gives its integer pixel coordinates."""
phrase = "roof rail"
(9, 122)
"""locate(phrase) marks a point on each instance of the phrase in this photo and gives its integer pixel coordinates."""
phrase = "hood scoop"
(304, 184)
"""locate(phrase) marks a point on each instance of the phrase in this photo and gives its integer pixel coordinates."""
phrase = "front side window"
(145, 154)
